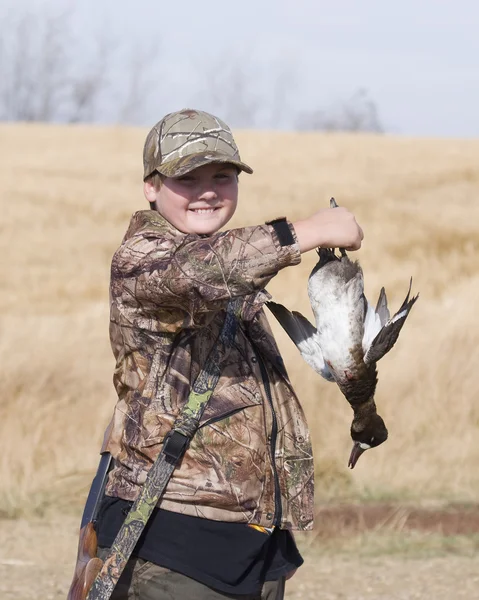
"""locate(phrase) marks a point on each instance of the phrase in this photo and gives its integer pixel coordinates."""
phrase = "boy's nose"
(207, 194)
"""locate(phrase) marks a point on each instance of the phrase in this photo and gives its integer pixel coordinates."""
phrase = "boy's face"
(201, 201)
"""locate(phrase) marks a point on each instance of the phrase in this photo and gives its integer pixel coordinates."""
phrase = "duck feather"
(304, 335)
(389, 332)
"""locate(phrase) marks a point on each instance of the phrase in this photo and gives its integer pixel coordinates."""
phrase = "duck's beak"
(356, 452)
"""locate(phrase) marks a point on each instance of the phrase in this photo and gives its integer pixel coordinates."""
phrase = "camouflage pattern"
(169, 294)
(163, 467)
(188, 139)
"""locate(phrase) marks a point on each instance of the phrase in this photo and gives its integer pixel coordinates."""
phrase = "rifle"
(87, 564)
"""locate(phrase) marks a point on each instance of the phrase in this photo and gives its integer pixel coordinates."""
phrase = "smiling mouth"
(203, 211)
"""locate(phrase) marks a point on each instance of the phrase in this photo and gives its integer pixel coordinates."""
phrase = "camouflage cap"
(188, 139)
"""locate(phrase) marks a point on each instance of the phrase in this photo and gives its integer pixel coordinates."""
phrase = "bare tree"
(88, 84)
(136, 81)
(247, 92)
(33, 68)
(282, 85)
(357, 113)
(45, 76)
(227, 90)
(51, 70)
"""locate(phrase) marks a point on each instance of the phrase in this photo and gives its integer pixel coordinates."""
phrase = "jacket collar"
(150, 223)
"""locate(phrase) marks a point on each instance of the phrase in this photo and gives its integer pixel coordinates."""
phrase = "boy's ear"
(150, 191)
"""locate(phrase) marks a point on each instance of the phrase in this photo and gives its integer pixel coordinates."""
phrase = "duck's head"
(366, 435)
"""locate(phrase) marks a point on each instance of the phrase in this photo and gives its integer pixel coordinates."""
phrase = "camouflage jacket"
(250, 461)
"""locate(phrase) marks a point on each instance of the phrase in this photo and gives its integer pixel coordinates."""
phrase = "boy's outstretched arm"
(189, 276)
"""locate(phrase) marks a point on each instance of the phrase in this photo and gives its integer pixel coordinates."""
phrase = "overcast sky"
(419, 60)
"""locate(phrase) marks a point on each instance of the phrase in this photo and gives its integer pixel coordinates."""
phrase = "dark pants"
(143, 580)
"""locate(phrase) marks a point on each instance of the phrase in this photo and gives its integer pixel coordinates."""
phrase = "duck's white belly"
(339, 313)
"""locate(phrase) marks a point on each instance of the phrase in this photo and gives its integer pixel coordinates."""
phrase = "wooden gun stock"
(87, 566)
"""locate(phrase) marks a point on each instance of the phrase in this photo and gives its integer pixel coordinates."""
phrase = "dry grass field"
(66, 196)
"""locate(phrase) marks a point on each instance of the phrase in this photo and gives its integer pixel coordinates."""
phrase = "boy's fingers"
(357, 243)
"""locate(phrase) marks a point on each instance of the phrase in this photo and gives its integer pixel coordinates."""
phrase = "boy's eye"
(185, 179)
(223, 176)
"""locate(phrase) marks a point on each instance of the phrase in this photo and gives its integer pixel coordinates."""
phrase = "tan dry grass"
(67, 194)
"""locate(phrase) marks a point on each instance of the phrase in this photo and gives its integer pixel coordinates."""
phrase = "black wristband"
(283, 231)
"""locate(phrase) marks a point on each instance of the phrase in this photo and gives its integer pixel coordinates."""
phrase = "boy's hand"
(329, 228)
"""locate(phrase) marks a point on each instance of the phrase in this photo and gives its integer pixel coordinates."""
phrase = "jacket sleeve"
(195, 275)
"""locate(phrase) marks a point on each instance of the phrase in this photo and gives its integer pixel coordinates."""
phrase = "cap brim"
(180, 166)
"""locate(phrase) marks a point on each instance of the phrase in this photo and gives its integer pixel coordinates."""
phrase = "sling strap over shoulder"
(174, 447)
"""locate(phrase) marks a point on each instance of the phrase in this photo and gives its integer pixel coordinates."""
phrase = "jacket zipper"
(221, 417)
(274, 433)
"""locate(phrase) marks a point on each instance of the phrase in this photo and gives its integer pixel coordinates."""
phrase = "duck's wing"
(389, 332)
(374, 319)
(382, 309)
(304, 335)
(372, 326)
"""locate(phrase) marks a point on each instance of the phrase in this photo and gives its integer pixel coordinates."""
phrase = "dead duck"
(350, 337)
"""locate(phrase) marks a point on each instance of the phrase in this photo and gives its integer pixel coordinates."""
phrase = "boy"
(222, 527)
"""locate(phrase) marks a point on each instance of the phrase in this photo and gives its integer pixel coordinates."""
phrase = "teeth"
(203, 211)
